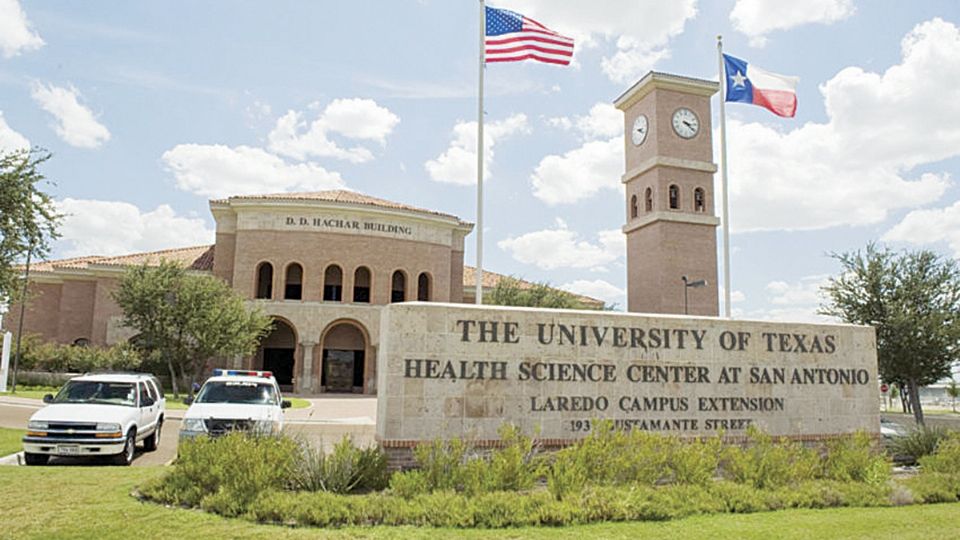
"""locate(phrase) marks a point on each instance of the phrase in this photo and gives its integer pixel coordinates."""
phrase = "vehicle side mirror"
(187, 400)
(48, 398)
(285, 404)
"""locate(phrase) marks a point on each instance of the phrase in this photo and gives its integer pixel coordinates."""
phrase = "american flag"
(511, 37)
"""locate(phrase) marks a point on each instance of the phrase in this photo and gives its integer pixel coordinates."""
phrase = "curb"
(12, 459)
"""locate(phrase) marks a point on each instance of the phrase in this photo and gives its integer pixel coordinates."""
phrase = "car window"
(97, 392)
(143, 393)
(245, 392)
(152, 389)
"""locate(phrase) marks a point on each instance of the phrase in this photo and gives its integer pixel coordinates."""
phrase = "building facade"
(321, 264)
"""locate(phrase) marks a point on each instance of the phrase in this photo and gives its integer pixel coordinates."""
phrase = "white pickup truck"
(235, 400)
(97, 415)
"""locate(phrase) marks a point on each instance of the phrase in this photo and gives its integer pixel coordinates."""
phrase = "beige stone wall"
(441, 402)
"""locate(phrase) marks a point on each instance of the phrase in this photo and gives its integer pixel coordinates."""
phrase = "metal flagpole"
(723, 180)
(478, 295)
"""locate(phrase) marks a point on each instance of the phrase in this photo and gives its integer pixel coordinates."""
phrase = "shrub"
(226, 474)
(610, 457)
(946, 458)
(408, 484)
(934, 487)
(40, 355)
(514, 466)
(344, 470)
(919, 443)
(855, 459)
(695, 462)
(441, 462)
(769, 464)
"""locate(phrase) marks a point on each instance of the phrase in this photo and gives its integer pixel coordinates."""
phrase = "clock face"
(685, 123)
(640, 128)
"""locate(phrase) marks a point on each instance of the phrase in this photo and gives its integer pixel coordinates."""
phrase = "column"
(306, 382)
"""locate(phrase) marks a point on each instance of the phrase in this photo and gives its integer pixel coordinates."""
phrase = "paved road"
(324, 423)
(951, 421)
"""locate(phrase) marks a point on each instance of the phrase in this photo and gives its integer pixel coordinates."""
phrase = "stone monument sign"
(454, 370)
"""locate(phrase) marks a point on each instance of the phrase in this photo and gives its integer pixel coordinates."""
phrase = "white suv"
(97, 415)
(235, 400)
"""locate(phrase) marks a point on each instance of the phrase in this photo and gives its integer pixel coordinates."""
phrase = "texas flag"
(747, 83)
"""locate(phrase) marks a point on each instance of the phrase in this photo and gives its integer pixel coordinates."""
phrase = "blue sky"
(153, 108)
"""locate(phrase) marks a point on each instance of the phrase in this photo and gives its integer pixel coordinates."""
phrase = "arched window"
(398, 287)
(333, 284)
(423, 287)
(674, 192)
(265, 280)
(361, 285)
(699, 200)
(648, 200)
(293, 285)
(633, 207)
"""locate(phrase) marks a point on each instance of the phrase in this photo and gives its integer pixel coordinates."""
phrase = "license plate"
(68, 450)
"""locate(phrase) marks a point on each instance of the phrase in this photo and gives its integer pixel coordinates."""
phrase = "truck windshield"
(97, 392)
(244, 392)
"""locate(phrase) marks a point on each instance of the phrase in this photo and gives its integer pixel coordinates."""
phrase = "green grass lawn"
(95, 502)
(37, 392)
(10, 441)
(32, 392)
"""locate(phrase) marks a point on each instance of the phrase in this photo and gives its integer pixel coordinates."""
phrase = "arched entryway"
(278, 353)
(344, 358)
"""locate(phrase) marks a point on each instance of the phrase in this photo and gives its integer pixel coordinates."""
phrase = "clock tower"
(671, 223)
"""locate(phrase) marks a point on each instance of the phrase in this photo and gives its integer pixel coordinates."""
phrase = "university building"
(323, 264)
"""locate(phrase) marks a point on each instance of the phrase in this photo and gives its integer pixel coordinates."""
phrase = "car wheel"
(153, 441)
(129, 447)
(35, 459)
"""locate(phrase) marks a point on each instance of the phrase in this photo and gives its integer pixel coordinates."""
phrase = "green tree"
(185, 319)
(511, 291)
(912, 299)
(28, 216)
(953, 390)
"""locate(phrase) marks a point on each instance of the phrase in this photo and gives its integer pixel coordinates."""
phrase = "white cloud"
(458, 163)
(792, 302)
(76, 124)
(579, 173)
(757, 18)
(9, 139)
(221, 171)
(94, 227)
(360, 119)
(929, 226)
(603, 120)
(641, 29)
(855, 169)
(560, 247)
(16, 34)
(599, 289)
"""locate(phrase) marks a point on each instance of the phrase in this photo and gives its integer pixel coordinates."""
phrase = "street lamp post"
(686, 285)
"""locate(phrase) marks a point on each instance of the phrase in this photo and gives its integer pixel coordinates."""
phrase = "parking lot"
(325, 422)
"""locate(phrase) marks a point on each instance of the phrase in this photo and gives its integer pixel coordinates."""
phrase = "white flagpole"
(479, 273)
(723, 180)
